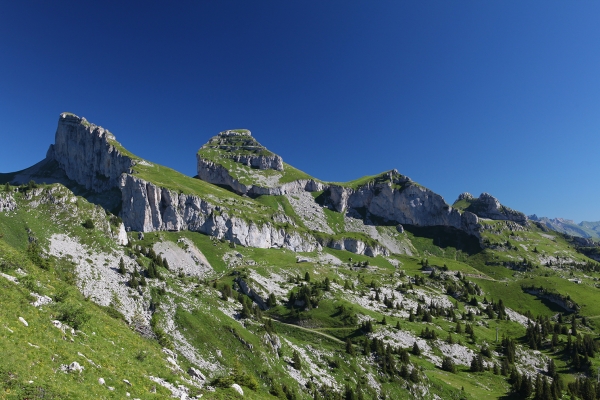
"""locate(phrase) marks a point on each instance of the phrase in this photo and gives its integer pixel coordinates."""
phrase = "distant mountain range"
(585, 229)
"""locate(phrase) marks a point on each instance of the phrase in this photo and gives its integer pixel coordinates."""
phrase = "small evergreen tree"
(448, 365)
(271, 301)
(7, 187)
(296, 360)
(415, 349)
(349, 347)
(307, 277)
(122, 266)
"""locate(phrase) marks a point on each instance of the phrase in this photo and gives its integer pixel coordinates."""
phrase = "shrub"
(88, 224)
(73, 314)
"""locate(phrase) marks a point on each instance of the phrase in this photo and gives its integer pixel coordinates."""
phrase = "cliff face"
(216, 174)
(400, 201)
(147, 208)
(89, 155)
(84, 152)
(487, 206)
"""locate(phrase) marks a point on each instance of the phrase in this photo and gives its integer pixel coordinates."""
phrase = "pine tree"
(122, 266)
(271, 301)
(7, 187)
(458, 328)
(448, 365)
(349, 347)
(296, 360)
(415, 349)
(307, 277)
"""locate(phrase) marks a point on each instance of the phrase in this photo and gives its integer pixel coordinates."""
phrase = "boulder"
(195, 373)
(238, 388)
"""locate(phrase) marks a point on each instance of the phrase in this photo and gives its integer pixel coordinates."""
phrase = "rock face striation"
(87, 154)
(147, 207)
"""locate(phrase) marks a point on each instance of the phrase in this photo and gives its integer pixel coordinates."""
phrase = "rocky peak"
(235, 132)
(487, 206)
(88, 154)
(238, 145)
(465, 196)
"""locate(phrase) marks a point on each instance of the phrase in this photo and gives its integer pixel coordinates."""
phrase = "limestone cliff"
(87, 153)
(487, 206)
(217, 174)
(147, 207)
(90, 156)
(394, 198)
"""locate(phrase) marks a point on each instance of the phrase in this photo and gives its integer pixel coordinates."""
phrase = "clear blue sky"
(495, 96)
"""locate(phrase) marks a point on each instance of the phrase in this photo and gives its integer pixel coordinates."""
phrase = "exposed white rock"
(311, 214)
(40, 300)
(187, 259)
(73, 367)
(180, 392)
(7, 202)
(147, 208)
(9, 277)
(238, 388)
(23, 321)
(122, 235)
(98, 276)
(196, 373)
(411, 204)
(487, 206)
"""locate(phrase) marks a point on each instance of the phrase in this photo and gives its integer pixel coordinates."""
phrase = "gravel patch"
(311, 214)
(188, 260)
(98, 276)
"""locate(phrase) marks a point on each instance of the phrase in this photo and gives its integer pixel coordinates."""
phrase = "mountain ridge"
(267, 289)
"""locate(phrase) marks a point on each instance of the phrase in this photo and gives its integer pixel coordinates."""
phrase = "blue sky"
(495, 96)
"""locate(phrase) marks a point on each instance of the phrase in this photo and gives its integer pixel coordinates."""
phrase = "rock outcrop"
(394, 198)
(7, 202)
(487, 206)
(241, 147)
(356, 246)
(216, 174)
(147, 207)
(87, 153)
(91, 156)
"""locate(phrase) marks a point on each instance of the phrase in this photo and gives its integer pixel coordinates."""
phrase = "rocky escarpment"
(147, 207)
(216, 174)
(394, 198)
(87, 154)
(487, 206)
